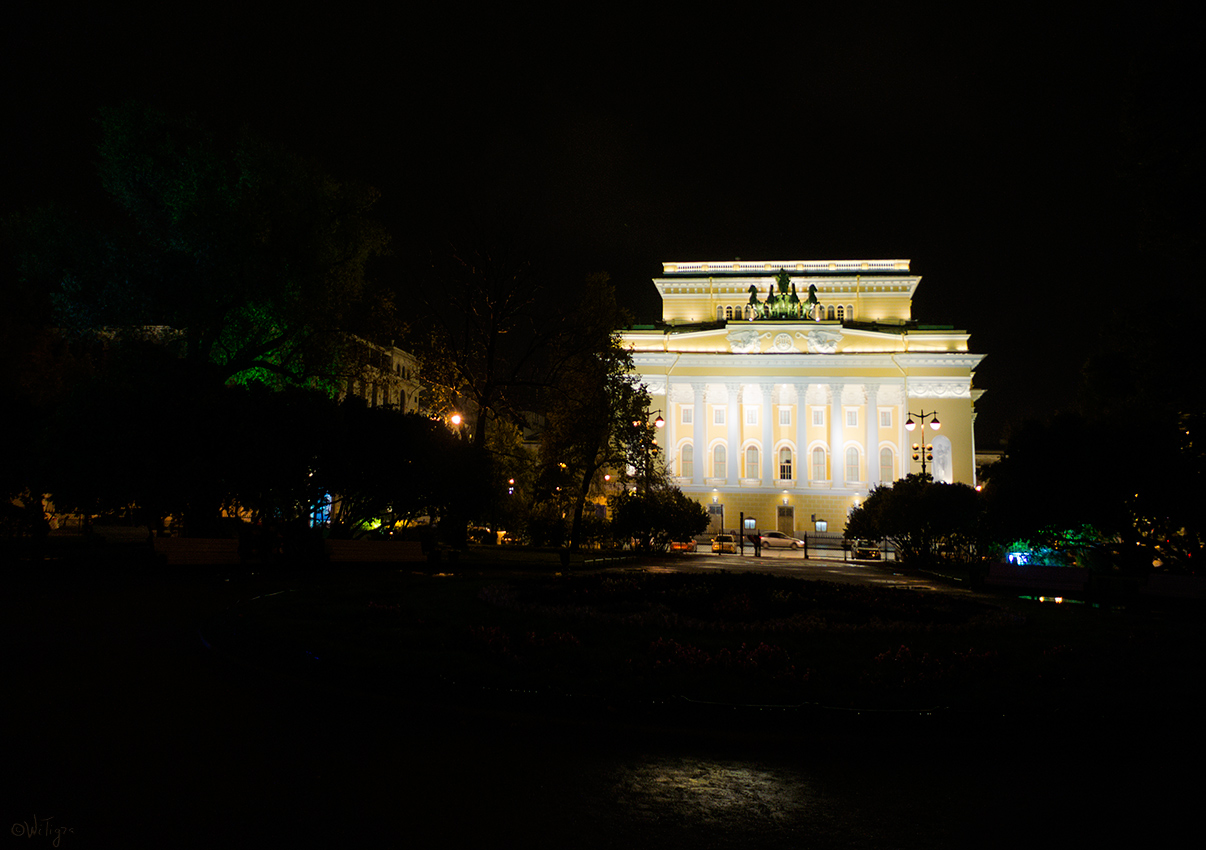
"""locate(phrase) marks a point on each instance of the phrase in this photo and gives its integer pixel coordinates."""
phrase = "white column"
(699, 436)
(872, 437)
(768, 437)
(837, 457)
(802, 414)
(733, 418)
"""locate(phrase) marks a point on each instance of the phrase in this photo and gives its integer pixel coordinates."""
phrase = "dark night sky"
(994, 152)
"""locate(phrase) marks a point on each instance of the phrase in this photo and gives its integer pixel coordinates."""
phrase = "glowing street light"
(923, 451)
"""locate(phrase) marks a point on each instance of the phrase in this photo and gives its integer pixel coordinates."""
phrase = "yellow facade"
(793, 420)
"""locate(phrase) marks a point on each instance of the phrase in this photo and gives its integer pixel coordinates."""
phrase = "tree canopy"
(256, 259)
(924, 521)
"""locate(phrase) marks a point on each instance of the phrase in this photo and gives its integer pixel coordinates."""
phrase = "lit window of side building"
(787, 387)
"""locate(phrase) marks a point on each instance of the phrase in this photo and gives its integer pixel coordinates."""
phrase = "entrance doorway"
(715, 518)
(787, 519)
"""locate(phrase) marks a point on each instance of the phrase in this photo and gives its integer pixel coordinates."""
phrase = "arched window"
(831, 313)
(785, 463)
(720, 314)
(686, 463)
(840, 313)
(818, 464)
(887, 467)
(850, 312)
(747, 312)
(751, 462)
(718, 463)
(728, 312)
(852, 464)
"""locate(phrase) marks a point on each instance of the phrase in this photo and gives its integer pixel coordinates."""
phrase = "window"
(885, 419)
(720, 314)
(687, 416)
(751, 416)
(818, 464)
(751, 462)
(831, 314)
(785, 463)
(887, 468)
(717, 415)
(747, 311)
(851, 418)
(852, 464)
(686, 464)
(784, 415)
(818, 416)
(718, 463)
(728, 312)
(840, 313)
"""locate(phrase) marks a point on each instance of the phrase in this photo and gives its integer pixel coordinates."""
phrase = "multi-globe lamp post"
(648, 444)
(923, 451)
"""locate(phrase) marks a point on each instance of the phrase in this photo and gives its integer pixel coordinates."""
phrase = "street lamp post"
(648, 445)
(923, 451)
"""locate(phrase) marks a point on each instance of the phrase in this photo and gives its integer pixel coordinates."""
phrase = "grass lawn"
(744, 639)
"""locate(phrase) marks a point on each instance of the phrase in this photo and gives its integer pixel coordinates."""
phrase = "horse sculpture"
(810, 305)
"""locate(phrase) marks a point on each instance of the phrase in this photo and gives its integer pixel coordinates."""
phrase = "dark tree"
(924, 521)
(591, 402)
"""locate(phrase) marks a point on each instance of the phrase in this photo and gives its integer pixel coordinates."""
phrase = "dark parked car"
(866, 550)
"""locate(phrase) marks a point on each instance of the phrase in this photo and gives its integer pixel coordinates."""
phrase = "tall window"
(751, 462)
(784, 415)
(818, 464)
(719, 314)
(887, 468)
(851, 418)
(852, 464)
(751, 416)
(687, 462)
(831, 314)
(885, 418)
(717, 415)
(688, 415)
(718, 465)
(840, 313)
(785, 463)
(728, 312)
(818, 416)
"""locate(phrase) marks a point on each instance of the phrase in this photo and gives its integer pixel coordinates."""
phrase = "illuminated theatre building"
(791, 412)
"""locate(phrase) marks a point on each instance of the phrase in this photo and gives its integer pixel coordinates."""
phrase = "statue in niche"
(943, 472)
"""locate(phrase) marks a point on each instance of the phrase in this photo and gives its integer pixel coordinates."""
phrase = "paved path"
(794, 564)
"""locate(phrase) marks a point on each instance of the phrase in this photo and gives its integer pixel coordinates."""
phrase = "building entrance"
(787, 519)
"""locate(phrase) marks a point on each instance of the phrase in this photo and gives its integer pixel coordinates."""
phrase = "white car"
(779, 540)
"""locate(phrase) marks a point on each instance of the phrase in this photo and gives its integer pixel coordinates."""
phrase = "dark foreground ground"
(123, 730)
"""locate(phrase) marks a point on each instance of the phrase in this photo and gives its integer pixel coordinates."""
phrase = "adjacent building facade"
(787, 387)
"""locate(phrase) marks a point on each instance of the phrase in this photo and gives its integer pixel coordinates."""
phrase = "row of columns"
(769, 461)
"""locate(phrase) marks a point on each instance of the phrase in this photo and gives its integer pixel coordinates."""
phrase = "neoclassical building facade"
(787, 387)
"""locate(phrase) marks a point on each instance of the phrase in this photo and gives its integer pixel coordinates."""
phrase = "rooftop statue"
(810, 306)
